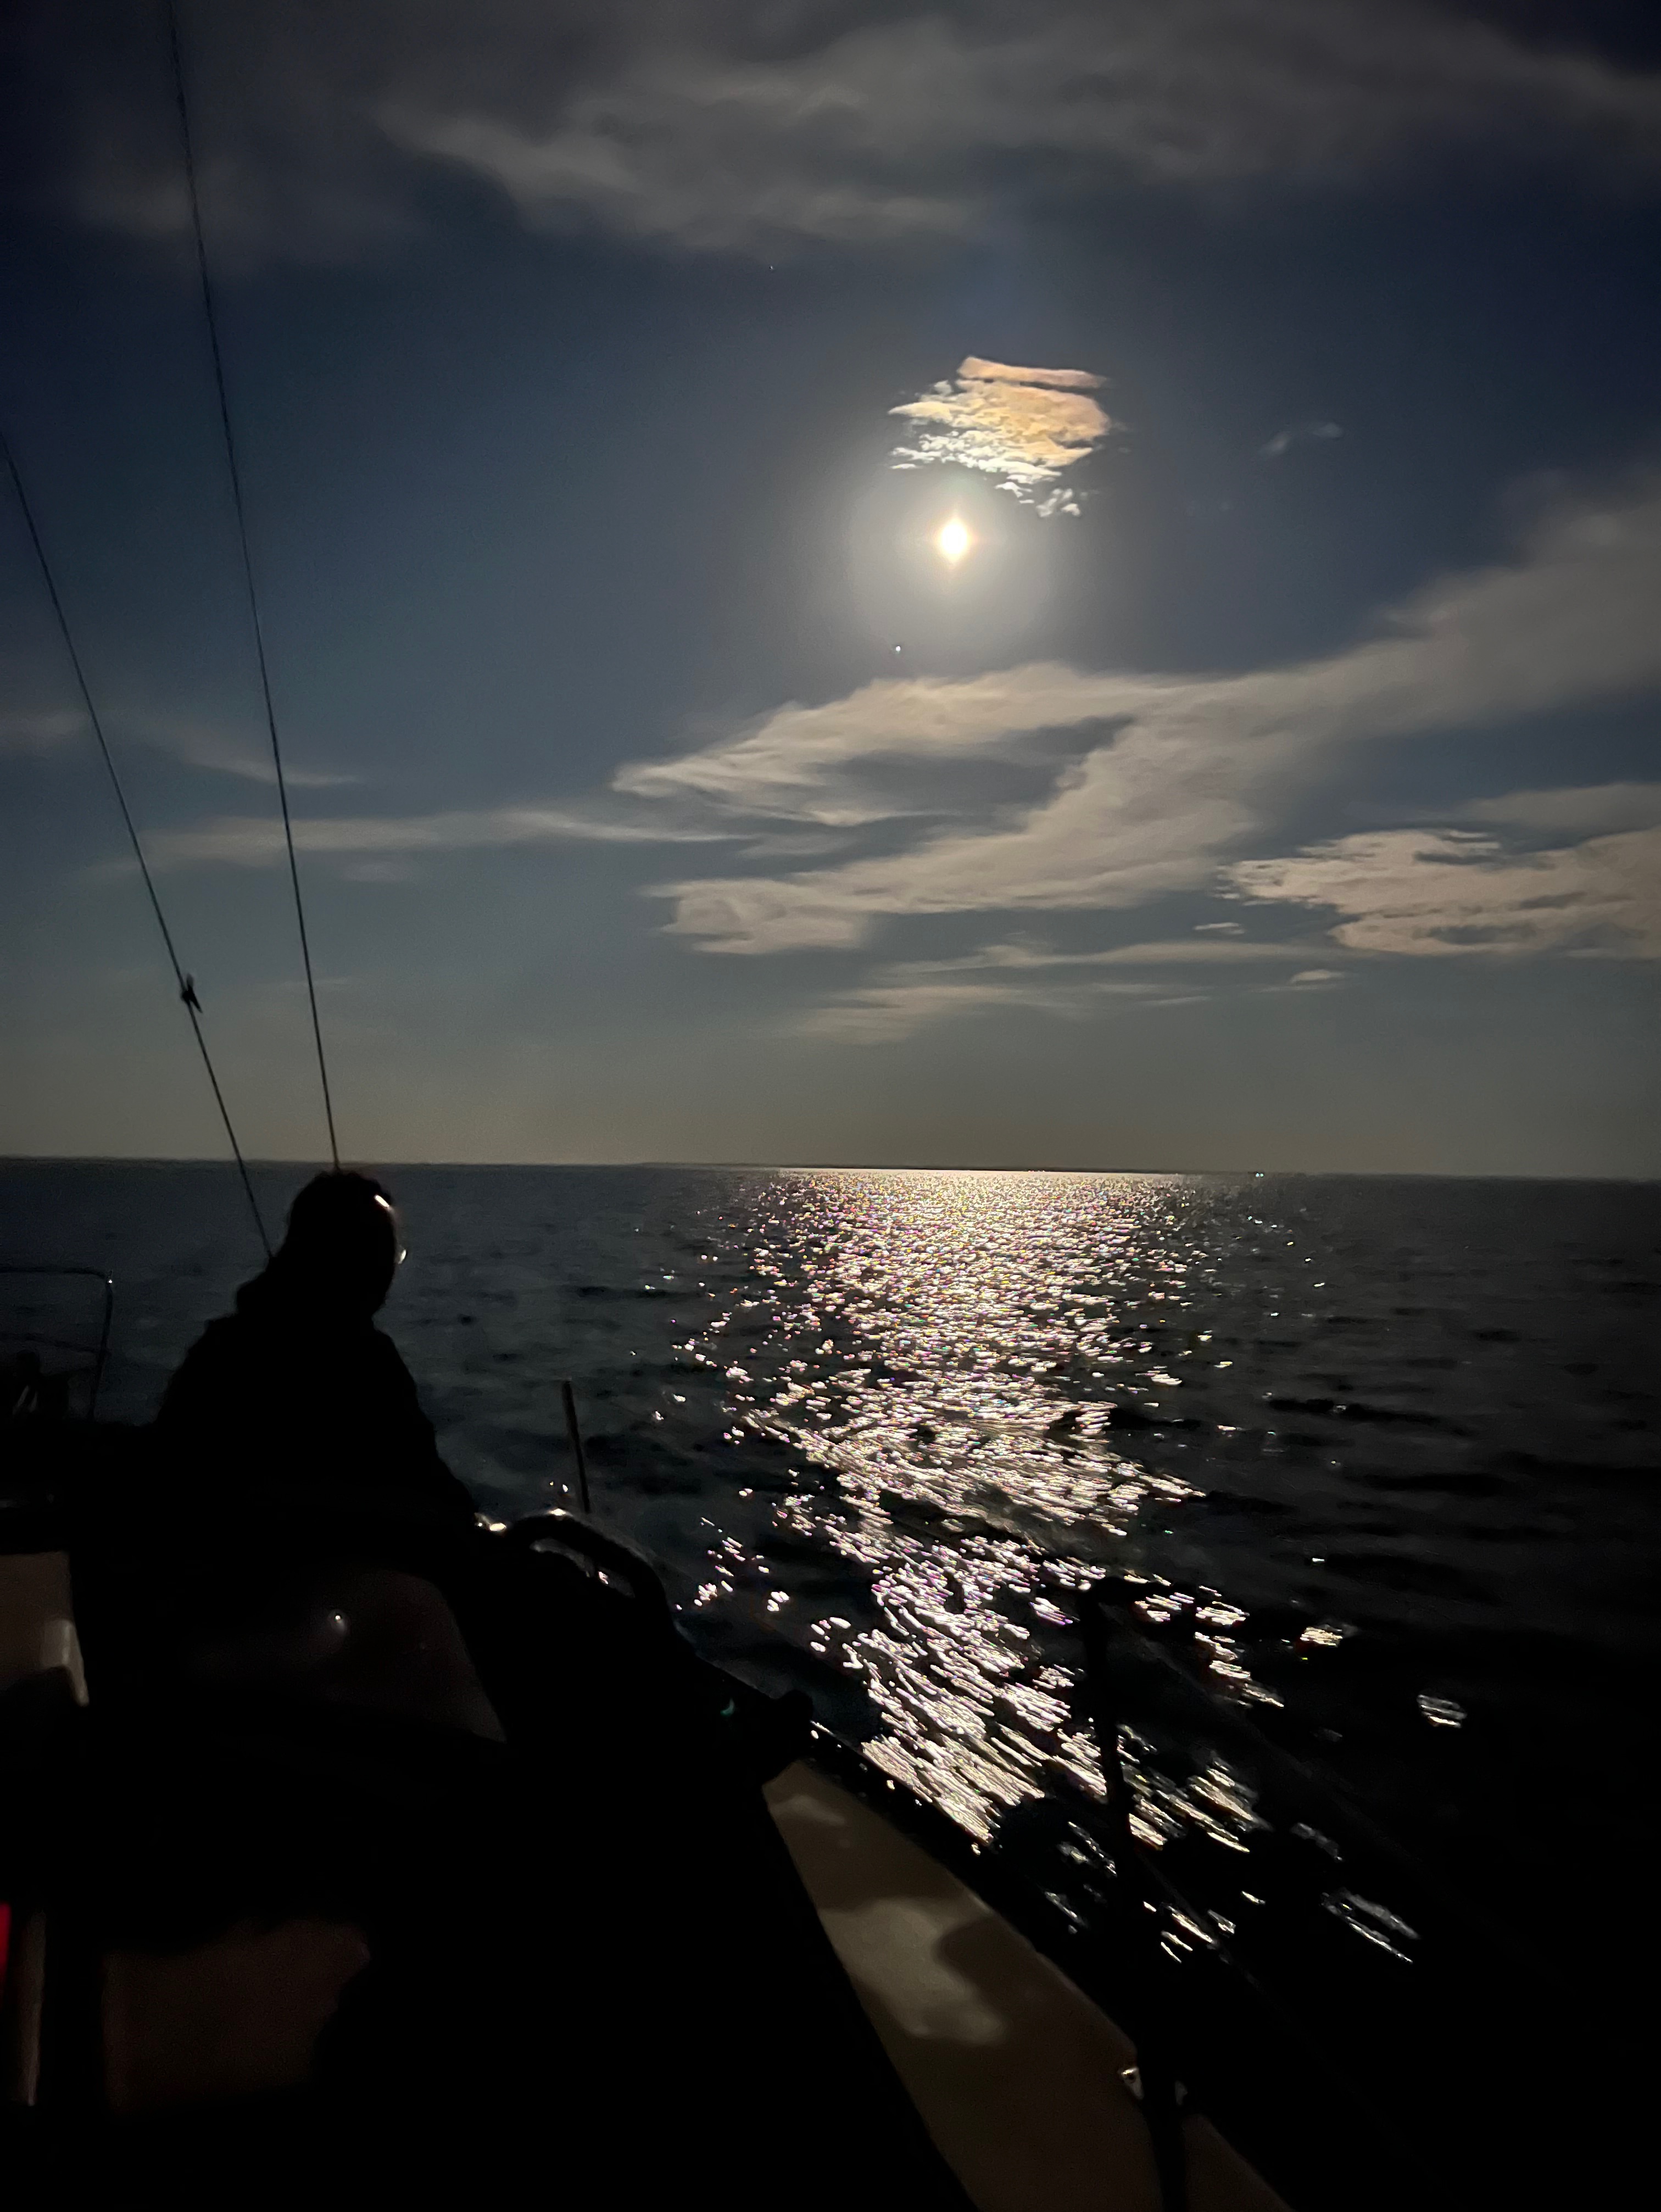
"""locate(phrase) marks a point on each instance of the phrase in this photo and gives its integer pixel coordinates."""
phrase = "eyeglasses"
(387, 1208)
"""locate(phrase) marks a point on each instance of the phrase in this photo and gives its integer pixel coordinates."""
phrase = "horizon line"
(822, 1167)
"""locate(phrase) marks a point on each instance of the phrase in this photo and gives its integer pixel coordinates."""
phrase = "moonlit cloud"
(40, 731)
(715, 129)
(1170, 778)
(896, 1000)
(193, 744)
(812, 764)
(1301, 433)
(1586, 807)
(1022, 426)
(1440, 892)
(256, 841)
(907, 127)
(201, 745)
(1178, 770)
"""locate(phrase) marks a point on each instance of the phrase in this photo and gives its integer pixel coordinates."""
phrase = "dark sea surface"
(1374, 1459)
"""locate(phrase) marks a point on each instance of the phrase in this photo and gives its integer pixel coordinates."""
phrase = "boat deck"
(1019, 2077)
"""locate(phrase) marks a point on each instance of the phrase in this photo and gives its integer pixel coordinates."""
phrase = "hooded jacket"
(295, 1389)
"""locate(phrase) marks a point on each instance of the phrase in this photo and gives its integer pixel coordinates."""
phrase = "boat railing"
(93, 1353)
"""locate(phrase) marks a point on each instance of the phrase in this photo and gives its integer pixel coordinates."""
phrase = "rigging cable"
(206, 282)
(186, 983)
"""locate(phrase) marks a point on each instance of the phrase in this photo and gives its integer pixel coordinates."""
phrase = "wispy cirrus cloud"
(896, 128)
(255, 840)
(813, 764)
(38, 730)
(205, 745)
(193, 744)
(1021, 426)
(1301, 433)
(1177, 773)
(897, 1002)
(1447, 892)
(1163, 783)
(1585, 807)
(720, 128)
(904, 996)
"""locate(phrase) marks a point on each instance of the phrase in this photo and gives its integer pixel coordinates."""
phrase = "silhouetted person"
(298, 1386)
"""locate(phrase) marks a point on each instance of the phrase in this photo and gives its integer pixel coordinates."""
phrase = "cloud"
(1177, 772)
(1428, 891)
(1585, 807)
(1159, 953)
(896, 129)
(1161, 783)
(39, 730)
(1023, 426)
(812, 764)
(196, 744)
(914, 995)
(200, 744)
(370, 844)
(717, 127)
(1301, 433)
(900, 1000)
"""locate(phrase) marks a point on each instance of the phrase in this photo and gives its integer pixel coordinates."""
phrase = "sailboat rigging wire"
(209, 309)
(186, 984)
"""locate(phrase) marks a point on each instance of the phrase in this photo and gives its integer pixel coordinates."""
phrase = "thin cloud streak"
(1301, 433)
(1586, 807)
(254, 841)
(897, 1000)
(887, 1009)
(40, 731)
(198, 744)
(193, 744)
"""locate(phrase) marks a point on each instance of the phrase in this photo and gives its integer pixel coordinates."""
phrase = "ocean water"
(1374, 1462)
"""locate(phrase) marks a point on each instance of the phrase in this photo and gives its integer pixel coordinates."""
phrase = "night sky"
(1270, 783)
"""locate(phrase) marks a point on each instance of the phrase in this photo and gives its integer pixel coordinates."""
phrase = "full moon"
(953, 540)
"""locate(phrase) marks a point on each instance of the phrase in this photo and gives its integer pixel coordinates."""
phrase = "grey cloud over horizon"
(727, 128)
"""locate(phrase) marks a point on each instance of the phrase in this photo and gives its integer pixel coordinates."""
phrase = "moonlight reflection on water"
(963, 1354)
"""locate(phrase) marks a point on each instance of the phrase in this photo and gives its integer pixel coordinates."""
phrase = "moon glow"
(952, 540)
